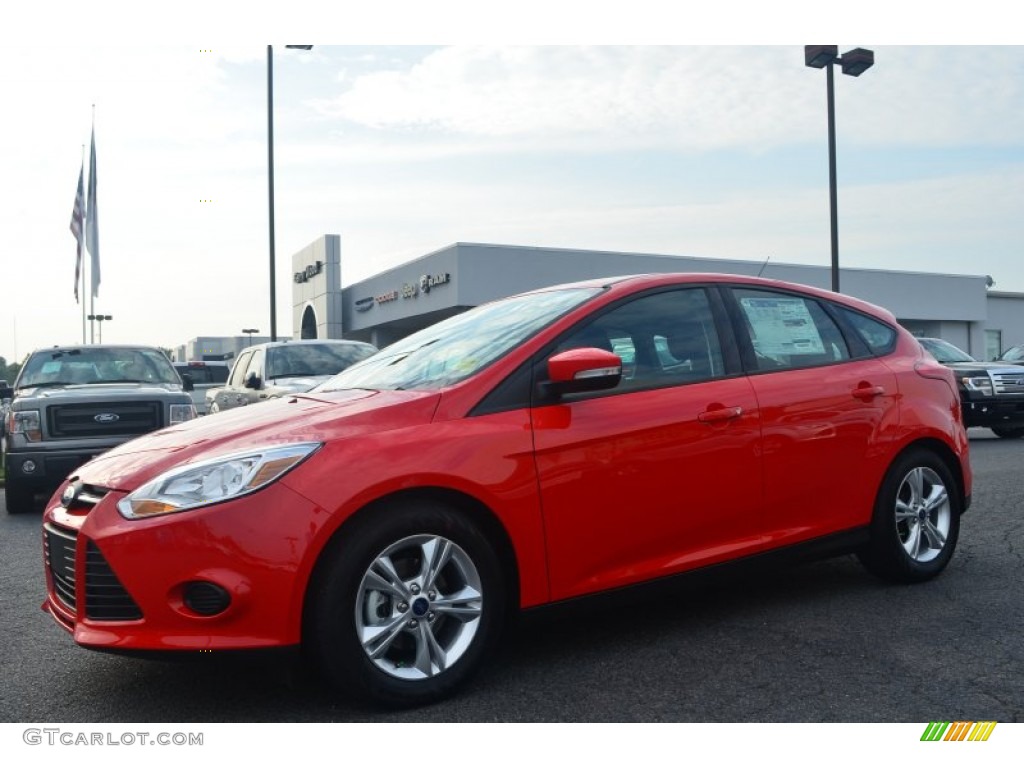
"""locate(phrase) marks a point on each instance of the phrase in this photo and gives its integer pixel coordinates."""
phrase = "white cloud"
(689, 98)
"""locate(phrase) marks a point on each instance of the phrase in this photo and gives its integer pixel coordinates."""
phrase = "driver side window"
(664, 339)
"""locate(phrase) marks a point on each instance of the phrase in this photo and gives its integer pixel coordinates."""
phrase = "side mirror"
(252, 381)
(583, 370)
(6, 393)
(187, 383)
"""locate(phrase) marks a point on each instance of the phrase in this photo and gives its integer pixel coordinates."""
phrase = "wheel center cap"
(420, 606)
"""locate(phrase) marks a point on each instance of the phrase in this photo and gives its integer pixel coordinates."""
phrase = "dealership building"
(382, 309)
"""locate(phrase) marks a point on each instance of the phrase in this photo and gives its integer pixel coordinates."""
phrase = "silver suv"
(281, 368)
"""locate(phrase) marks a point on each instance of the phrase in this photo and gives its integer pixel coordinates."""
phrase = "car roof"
(629, 283)
(68, 347)
(301, 342)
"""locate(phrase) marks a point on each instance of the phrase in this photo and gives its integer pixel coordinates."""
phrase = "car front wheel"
(19, 498)
(916, 520)
(407, 605)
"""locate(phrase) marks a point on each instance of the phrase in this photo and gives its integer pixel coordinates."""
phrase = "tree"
(9, 371)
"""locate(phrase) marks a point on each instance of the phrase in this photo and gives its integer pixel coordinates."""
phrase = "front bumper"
(44, 470)
(129, 585)
(998, 411)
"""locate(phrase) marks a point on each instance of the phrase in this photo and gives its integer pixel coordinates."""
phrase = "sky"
(619, 139)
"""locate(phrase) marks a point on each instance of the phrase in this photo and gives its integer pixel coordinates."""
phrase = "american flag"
(77, 218)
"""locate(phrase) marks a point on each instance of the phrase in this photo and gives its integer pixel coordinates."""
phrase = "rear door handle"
(720, 414)
(866, 392)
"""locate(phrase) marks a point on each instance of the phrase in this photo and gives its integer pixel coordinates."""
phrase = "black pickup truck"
(991, 394)
(70, 404)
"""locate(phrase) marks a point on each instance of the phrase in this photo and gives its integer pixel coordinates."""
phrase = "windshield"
(96, 365)
(458, 347)
(292, 360)
(945, 352)
(1013, 355)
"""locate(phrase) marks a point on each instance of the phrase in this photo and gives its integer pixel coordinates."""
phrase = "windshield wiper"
(42, 384)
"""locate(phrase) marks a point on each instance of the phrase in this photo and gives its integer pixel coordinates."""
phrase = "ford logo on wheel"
(106, 418)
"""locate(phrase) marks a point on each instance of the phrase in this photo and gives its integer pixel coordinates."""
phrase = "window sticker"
(782, 327)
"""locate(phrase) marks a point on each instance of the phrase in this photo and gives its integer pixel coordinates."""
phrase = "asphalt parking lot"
(823, 642)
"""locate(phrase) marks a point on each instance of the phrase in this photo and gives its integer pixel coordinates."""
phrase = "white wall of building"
(316, 285)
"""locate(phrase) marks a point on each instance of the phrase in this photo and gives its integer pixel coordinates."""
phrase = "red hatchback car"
(548, 446)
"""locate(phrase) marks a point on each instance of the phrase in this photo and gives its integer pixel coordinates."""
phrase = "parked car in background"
(6, 393)
(265, 371)
(390, 519)
(72, 403)
(203, 375)
(992, 394)
(1012, 356)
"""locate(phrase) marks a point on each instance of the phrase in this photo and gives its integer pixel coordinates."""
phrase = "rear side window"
(205, 374)
(879, 337)
(789, 331)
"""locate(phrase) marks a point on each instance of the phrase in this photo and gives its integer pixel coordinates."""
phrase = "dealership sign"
(430, 281)
(424, 284)
(408, 290)
(309, 272)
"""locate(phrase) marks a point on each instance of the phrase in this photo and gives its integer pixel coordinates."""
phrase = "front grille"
(59, 551)
(105, 598)
(1009, 382)
(103, 419)
(85, 498)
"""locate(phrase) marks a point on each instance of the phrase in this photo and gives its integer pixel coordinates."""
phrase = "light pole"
(853, 63)
(99, 319)
(250, 331)
(270, 180)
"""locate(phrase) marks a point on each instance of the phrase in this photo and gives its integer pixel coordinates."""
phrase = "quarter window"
(879, 337)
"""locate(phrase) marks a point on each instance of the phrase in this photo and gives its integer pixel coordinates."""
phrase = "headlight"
(26, 423)
(980, 384)
(180, 413)
(209, 482)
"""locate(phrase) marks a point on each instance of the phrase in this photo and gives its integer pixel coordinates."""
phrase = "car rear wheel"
(19, 498)
(407, 605)
(916, 520)
(1009, 432)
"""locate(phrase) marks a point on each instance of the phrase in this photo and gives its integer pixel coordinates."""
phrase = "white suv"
(276, 368)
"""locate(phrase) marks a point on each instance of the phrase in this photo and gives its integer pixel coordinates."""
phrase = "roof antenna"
(763, 266)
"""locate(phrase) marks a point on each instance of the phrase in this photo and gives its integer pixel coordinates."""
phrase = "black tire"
(1009, 433)
(916, 520)
(430, 634)
(19, 498)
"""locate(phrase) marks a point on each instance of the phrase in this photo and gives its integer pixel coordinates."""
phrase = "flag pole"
(92, 265)
(83, 265)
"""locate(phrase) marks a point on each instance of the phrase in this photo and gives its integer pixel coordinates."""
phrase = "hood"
(977, 365)
(291, 419)
(298, 383)
(121, 390)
